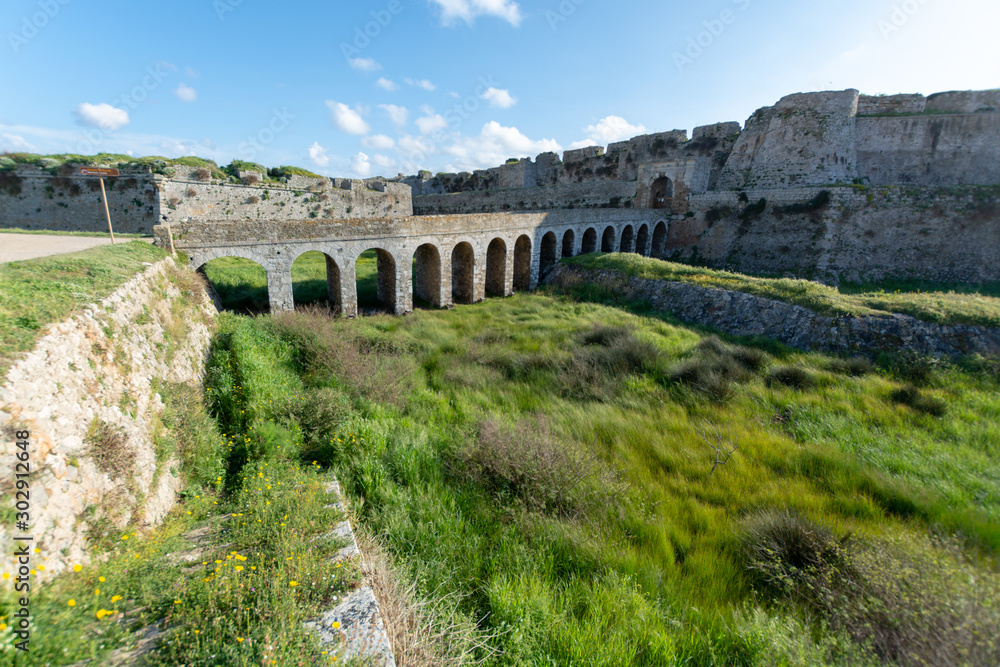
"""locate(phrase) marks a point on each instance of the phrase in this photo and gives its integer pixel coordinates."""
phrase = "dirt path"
(15, 247)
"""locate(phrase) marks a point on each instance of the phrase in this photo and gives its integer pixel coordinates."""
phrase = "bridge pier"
(279, 289)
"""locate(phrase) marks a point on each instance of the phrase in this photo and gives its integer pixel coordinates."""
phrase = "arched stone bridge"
(457, 258)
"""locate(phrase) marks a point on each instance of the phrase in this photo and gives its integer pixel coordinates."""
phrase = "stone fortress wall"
(36, 198)
(831, 185)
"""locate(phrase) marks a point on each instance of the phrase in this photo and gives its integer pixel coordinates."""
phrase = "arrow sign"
(101, 172)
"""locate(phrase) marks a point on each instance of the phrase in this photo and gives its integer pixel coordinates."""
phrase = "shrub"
(251, 179)
(108, 447)
(203, 174)
(906, 600)
(912, 397)
(254, 199)
(792, 376)
(855, 367)
(607, 355)
(191, 192)
(529, 465)
(320, 415)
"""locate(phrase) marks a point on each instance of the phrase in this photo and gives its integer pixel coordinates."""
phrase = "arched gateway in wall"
(440, 261)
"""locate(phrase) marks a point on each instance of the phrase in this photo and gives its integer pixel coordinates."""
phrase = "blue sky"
(377, 88)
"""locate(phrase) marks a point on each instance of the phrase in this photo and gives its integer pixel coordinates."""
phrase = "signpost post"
(101, 172)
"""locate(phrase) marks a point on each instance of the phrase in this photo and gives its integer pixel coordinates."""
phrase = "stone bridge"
(443, 259)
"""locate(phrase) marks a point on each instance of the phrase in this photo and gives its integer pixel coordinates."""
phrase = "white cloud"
(361, 165)
(387, 84)
(186, 93)
(500, 98)
(384, 161)
(15, 143)
(192, 73)
(180, 147)
(318, 155)
(379, 142)
(416, 147)
(420, 83)
(103, 116)
(365, 64)
(609, 130)
(432, 122)
(347, 119)
(399, 115)
(455, 95)
(468, 10)
(494, 145)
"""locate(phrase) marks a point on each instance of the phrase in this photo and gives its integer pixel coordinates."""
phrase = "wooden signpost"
(102, 172)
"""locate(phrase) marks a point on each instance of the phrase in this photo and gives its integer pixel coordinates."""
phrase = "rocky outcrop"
(87, 394)
(742, 314)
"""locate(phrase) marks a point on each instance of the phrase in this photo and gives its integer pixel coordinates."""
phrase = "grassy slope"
(932, 302)
(571, 589)
(38, 292)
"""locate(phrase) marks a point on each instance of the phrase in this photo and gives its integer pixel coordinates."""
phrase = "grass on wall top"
(940, 303)
(37, 292)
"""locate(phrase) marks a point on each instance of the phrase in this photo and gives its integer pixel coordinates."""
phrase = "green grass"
(941, 303)
(37, 292)
(593, 525)
(237, 567)
(49, 232)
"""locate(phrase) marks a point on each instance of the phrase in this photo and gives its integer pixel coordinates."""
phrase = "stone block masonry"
(742, 314)
(33, 198)
(98, 370)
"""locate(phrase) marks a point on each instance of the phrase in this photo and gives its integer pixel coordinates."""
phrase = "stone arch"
(333, 293)
(608, 240)
(549, 254)
(662, 193)
(628, 240)
(522, 263)
(642, 240)
(385, 292)
(427, 274)
(589, 241)
(496, 268)
(463, 273)
(252, 298)
(569, 239)
(659, 240)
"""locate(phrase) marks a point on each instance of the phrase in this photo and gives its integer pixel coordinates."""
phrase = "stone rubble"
(101, 364)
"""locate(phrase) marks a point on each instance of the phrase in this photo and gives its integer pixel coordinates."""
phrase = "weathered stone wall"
(742, 314)
(864, 233)
(805, 139)
(100, 367)
(929, 150)
(568, 196)
(31, 198)
(322, 199)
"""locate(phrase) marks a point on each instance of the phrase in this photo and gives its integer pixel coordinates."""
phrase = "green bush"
(912, 397)
(795, 377)
(855, 367)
